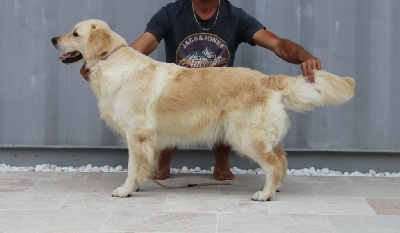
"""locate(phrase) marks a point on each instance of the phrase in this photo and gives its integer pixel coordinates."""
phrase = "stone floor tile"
(27, 201)
(317, 179)
(365, 224)
(118, 176)
(152, 187)
(372, 190)
(130, 221)
(73, 186)
(139, 201)
(288, 190)
(192, 177)
(293, 187)
(244, 222)
(63, 175)
(213, 204)
(243, 189)
(52, 220)
(16, 181)
(248, 178)
(375, 180)
(208, 178)
(294, 191)
(321, 206)
(44, 175)
(385, 206)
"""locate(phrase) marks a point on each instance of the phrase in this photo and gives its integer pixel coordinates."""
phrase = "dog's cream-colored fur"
(155, 105)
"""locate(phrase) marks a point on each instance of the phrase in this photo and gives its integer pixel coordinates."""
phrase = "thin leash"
(190, 185)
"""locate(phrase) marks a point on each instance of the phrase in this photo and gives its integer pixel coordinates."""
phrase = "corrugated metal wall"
(45, 103)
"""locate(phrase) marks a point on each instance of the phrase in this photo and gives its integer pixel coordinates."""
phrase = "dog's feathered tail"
(300, 96)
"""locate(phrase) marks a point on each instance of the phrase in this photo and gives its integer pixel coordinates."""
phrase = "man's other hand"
(85, 73)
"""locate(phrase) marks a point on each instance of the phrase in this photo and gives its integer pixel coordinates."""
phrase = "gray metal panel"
(352, 39)
(31, 85)
(44, 103)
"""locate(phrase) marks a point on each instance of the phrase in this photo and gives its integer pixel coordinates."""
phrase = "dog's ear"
(98, 44)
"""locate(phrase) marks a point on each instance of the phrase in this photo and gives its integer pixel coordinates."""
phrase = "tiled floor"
(82, 202)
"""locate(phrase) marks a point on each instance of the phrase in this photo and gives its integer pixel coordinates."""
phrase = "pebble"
(53, 167)
(184, 169)
(38, 168)
(372, 172)
(105, 169)
(118, 169)
(174, 170)
(205, 172)
(326, 170)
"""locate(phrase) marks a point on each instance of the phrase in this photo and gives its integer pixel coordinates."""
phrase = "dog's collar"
(115, 50)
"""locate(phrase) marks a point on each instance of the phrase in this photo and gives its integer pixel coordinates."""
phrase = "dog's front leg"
(141, 146)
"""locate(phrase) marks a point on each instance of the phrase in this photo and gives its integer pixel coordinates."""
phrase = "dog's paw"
(122, 192)
(261, 196)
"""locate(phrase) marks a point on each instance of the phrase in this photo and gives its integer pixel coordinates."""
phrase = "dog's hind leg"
(281, 154)
(272, 167)
(141, 146)
(256, 133)
(258, 146)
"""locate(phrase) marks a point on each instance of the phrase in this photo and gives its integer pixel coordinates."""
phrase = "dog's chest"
(121, 104)
(109, 102)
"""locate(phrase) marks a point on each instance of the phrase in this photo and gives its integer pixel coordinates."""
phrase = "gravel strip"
(89, 168)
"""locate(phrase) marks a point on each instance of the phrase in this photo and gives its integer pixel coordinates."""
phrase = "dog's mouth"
(71, 57)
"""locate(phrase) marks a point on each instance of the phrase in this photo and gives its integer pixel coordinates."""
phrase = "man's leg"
(222, 169)
(164, 163)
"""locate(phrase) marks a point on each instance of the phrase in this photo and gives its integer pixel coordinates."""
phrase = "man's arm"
(288, 51)
(145, 44)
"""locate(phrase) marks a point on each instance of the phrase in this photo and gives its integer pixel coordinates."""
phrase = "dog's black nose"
(54, 40)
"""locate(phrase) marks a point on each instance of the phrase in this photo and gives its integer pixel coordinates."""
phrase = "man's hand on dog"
(308, 66)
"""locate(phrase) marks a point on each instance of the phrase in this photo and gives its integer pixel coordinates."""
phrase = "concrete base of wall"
(340, 161)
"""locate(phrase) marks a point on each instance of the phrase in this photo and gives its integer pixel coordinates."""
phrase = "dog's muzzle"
(67, 58)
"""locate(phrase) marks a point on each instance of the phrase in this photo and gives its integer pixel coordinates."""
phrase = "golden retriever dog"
(155, 105)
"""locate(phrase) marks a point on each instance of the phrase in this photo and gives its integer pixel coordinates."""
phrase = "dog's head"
(89, 40)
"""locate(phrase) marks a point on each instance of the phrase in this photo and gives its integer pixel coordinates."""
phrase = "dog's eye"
(75, 34)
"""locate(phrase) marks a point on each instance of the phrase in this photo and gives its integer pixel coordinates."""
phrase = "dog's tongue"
(67, 55)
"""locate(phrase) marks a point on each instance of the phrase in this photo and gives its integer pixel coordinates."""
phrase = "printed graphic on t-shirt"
(202, 50)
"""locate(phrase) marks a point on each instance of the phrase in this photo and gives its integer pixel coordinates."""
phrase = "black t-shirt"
(187, 44)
